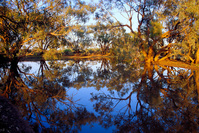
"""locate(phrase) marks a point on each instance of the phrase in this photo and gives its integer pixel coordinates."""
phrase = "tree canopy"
(39, 25)
(158, 30)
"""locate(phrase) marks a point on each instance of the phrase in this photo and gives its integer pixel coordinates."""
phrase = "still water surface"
(104, 96)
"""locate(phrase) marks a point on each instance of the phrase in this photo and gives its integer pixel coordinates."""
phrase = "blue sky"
(120, 16)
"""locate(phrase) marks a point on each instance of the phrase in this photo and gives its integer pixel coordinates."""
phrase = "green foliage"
(28, 26)
(52, 54)
(90, 51)
(68, 52)
(39, 24)
(156, 29)
(125, 47)
(182, 25)
(145, 27)
(79, 39)
(103, 36)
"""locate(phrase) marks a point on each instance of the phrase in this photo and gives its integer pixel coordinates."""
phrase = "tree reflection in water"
(39, 97)
(166, 102)
(138, 99)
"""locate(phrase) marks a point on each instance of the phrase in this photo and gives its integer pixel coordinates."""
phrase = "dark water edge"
(11, 120)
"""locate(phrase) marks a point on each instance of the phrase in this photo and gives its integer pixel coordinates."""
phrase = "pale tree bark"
(197, 57)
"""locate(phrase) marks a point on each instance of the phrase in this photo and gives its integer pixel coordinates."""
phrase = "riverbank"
(90, 57)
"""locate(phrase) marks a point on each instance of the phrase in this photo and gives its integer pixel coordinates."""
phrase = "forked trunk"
(150, 56)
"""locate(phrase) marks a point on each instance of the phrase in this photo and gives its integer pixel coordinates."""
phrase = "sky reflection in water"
(104, 96)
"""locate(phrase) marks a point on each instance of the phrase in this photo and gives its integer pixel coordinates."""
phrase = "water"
(103, 96)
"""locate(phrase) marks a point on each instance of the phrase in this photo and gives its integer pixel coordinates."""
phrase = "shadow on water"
(80, 95)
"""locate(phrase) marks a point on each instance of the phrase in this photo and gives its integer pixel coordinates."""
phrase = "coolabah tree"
(115, 41)
(79, 39)
(164, 29)
(141, 12)
(103, 36)
(181, 20)
(38, 25)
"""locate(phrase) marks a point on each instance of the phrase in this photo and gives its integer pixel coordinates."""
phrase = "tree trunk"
(13, 68)
(197, 57)
(149, 58)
